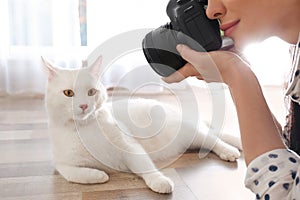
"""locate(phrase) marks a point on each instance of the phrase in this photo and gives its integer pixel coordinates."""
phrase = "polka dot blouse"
(275, 175)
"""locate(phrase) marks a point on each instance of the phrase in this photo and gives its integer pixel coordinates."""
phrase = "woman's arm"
(259, 131)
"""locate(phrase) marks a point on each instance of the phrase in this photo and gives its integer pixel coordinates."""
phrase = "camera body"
(189, 25)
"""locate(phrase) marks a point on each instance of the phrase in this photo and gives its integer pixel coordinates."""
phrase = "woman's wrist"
(236, 70)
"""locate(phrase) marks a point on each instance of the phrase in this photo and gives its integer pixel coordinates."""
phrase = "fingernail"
(179, 47)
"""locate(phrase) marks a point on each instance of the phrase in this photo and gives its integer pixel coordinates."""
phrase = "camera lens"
(159, 47)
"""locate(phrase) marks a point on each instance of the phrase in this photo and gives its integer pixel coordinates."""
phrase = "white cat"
(92, 137)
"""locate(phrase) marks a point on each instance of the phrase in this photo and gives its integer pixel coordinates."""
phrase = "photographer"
(273, 170)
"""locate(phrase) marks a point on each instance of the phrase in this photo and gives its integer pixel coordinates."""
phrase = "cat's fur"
(92, 137)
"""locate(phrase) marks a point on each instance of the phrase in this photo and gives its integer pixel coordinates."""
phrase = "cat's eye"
(69, 93)
(92, 92)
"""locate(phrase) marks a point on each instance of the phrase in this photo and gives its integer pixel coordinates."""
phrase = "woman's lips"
(229, 27)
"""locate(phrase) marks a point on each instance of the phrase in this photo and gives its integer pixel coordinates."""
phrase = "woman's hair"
(291, 131)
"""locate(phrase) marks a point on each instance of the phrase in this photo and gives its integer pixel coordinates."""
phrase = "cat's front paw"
(159, 183)
(96, 176)
(82, 175)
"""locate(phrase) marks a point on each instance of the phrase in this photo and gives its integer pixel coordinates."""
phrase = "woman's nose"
(215, 9)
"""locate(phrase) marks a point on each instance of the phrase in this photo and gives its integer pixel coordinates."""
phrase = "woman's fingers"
(188, 54)
(200, 64)
(186, 71)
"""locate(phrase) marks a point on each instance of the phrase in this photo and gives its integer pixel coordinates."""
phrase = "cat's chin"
(83, 116)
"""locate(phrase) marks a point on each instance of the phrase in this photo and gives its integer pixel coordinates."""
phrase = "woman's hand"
(212, 66)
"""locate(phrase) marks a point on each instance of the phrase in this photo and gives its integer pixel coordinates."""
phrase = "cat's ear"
(95, 67)
(52, 72)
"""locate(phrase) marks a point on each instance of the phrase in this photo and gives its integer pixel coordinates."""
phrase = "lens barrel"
(159, 47)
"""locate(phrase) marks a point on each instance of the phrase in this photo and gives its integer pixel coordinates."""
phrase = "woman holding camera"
(273, 170)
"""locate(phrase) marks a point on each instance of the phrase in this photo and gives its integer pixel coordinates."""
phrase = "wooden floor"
(27, 173)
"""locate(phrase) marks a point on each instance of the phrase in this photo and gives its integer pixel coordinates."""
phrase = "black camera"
(189, 25)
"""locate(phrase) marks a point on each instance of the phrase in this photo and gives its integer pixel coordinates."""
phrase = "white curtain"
(31, 29)
(50, 28)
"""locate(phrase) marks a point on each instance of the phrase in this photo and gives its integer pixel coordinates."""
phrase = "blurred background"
(66, 32)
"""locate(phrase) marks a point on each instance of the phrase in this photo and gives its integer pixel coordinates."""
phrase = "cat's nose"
(83, 106)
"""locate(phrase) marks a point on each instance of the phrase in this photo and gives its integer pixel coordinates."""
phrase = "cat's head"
(74, 93)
